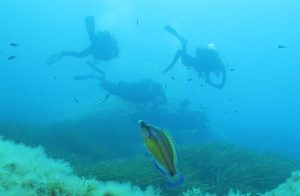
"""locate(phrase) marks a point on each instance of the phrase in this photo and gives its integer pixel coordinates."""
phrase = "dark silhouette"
(103, 47)
(143, 93)
(205, 61)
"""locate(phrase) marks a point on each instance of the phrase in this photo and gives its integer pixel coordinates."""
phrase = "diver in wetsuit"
(143, 93)
(206, 60)
(103, 47)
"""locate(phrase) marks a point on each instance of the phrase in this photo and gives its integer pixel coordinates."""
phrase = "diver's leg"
(175, 59)
(79, 55)
(93, 66)
(58, 56)
(90, 27)
(54, 58)
(84, 77)
(207, 78)
(188, 60)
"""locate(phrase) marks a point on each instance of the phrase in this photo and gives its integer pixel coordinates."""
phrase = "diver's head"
(211, 46)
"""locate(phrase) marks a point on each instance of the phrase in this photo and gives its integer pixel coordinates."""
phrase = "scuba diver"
(205, 61)
(103, 47)
(142, 93)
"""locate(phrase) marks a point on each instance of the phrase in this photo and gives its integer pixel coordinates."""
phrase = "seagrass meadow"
(215, 167)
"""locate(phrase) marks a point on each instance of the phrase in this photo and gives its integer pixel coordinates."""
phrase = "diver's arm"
(218, 86)
(84, 77)
(224, 77)
(58, 56)
(175, 59)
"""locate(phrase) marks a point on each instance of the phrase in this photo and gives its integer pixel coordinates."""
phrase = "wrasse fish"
(160, 145)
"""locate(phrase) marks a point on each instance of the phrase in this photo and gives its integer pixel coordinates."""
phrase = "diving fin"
(172, 31)
(93, 66)
(54, 58)
(90, 26)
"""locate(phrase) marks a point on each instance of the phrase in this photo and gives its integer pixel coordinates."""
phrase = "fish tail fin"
(175, 181)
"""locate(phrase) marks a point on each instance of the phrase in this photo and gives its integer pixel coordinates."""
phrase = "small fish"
(14, 44)
(172, 77)
(201, 85)
(188, 67)
(11, 58)
(231, 69)
(190, 79)
(137, 22)
(166, 86)
(235, 111)
(76, 100)
(281, 46)
(160, 145)
(55, 77)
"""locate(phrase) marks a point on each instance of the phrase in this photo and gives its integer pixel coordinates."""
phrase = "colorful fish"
(160, 145)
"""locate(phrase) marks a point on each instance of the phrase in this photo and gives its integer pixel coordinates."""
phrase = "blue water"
(258, 107)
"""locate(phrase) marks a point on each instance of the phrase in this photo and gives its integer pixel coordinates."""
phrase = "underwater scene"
(160, 97)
